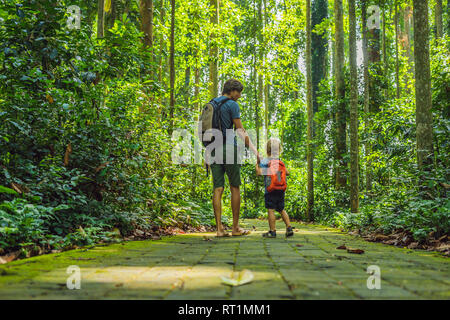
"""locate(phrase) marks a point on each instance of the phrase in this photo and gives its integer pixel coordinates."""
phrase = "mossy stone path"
(189, 267)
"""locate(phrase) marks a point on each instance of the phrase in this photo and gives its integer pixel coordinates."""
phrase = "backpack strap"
(219, 107)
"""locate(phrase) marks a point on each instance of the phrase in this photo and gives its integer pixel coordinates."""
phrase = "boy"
(274, 173)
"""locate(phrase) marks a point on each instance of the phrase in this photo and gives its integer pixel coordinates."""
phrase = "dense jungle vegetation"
(87, 114)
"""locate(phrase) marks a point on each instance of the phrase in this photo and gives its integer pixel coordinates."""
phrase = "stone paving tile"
(307, 266)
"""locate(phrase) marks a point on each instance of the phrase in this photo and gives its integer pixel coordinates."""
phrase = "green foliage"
(84, 147)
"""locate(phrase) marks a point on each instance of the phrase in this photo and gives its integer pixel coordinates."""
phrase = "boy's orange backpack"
(277, 174)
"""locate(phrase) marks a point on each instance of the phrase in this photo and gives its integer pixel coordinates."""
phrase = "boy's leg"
(271, 217)
(285, 218)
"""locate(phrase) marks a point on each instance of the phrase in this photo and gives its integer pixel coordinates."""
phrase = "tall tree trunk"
(407, 42)
(266, 109)
(214, 52)
(260, 65)
(375, 79)
(172, 65)
(448, 17)
(367, 146)
(397, 71)
(332, 114)
(146, 8)
(162, 46)
(424, 118)
(354, 144)
(197, 89)
(146, 11)
(111, 14)
(438, 18)
(101, 19)
(266, 85)
(319, 45)
(309, 106)
(385, 58)
(341, 143)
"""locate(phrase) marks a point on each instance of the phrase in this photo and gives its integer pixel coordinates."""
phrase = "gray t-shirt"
(229, 111)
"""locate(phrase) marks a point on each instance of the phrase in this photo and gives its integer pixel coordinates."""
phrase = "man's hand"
(244, 136)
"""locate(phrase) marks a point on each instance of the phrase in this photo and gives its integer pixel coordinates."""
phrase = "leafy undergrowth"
(399, 237)
(29, 227)
(403, 238)
(149, 232)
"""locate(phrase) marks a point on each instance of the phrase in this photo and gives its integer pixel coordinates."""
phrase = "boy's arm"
(258, 170)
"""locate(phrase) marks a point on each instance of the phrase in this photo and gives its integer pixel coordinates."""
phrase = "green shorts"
(232, 170)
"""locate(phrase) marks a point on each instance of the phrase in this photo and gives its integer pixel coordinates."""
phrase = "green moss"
(188, 267)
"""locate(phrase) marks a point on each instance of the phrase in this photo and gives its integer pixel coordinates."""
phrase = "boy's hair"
(232, 85)
(273, 147)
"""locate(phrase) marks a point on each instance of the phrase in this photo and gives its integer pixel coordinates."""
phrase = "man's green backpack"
(210, 118)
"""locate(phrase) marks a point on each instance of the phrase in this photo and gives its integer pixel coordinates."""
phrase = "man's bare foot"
(222, 233)
(240, 232)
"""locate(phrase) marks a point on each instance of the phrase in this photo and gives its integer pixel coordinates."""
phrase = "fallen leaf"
(16, 187)
(357, 251)
(299, 245)
(119, 285)
(49, 98)
(82, 232)
(292, 286)
(381, 237)
(9, 257)
(205, 238)
(342, 247)
(100, 167)
(443, 247)
(244, 277)
(445, 185)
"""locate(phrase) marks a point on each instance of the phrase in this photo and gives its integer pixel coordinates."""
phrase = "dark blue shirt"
(229, 111)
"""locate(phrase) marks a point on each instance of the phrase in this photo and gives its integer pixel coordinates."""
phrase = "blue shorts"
(275, 200)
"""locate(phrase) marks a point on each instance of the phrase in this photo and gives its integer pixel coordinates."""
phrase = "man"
(230, 115)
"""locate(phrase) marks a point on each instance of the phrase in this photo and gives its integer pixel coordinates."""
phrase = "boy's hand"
(258, 170)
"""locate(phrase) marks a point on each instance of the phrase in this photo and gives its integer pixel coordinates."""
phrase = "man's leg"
(235, 207)
(217, 205)
(218, 172)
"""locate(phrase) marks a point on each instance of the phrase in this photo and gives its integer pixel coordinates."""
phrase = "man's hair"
(273, 147)
(232, 85)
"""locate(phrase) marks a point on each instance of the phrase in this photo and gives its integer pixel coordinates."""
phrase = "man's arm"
(244, 136)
